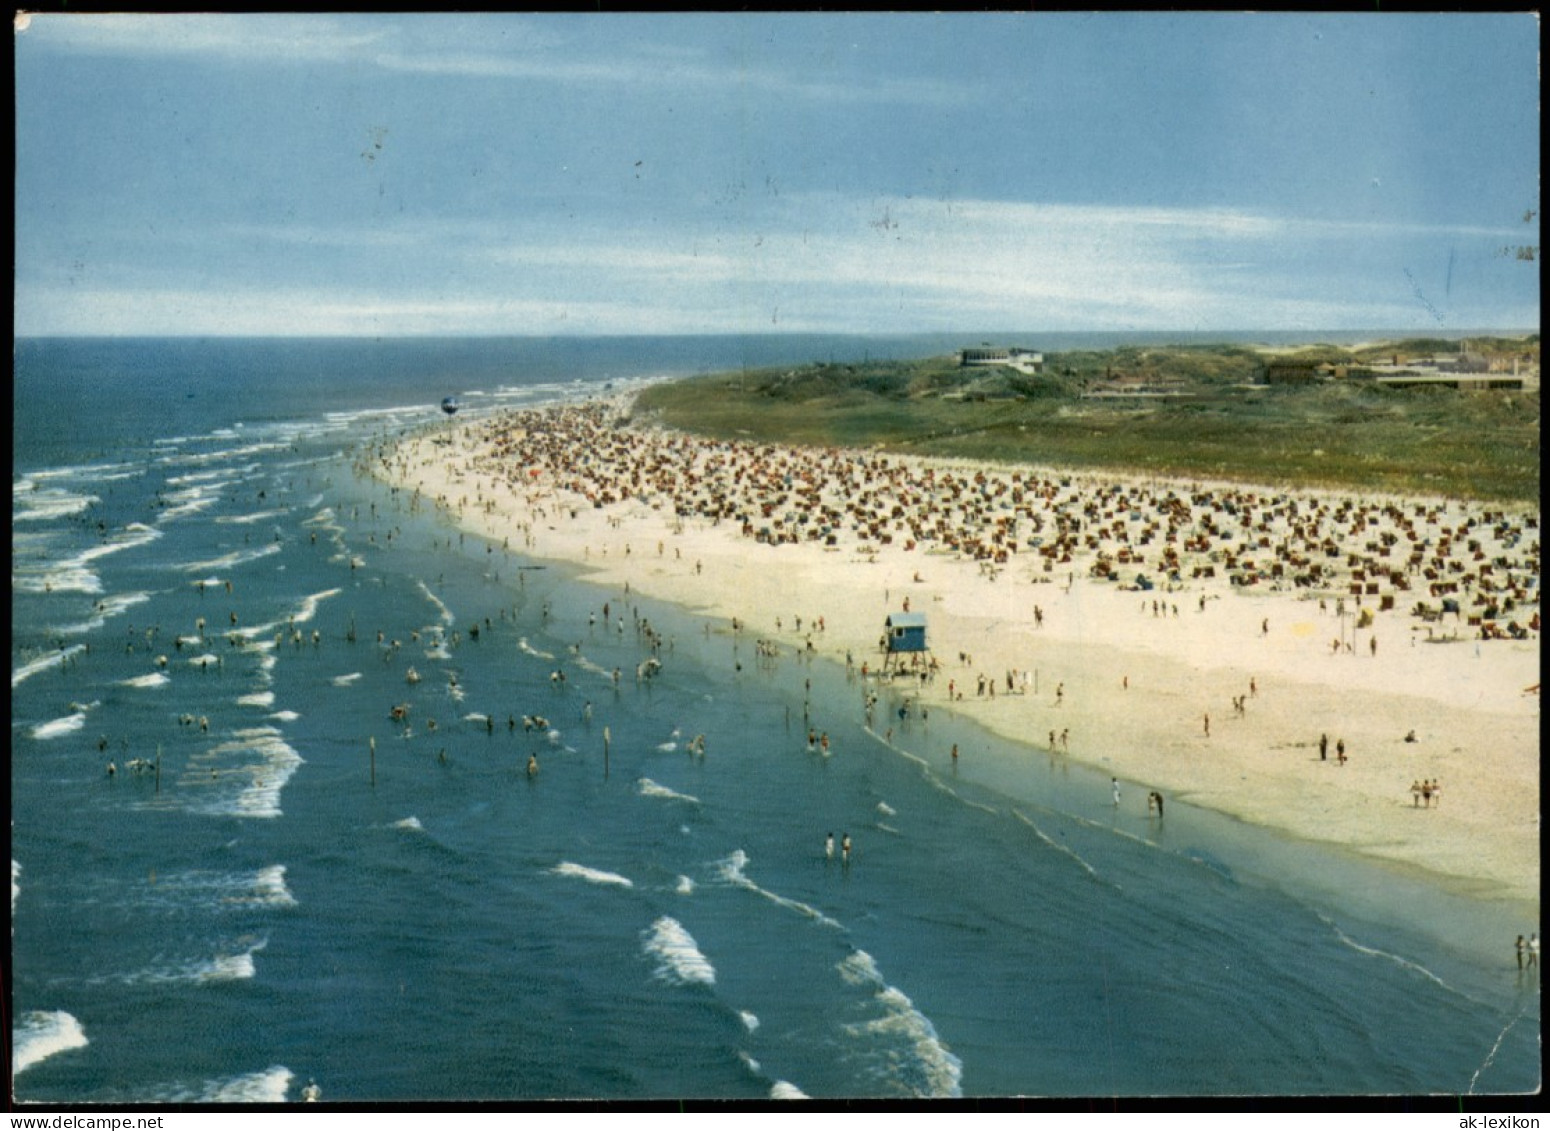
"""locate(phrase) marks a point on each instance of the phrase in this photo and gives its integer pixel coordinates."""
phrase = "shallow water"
(268, 899)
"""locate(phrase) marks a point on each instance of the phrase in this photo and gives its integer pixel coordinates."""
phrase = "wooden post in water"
(374, 760)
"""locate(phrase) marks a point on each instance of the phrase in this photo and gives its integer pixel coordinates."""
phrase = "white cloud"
(814, 262)
(516, 48)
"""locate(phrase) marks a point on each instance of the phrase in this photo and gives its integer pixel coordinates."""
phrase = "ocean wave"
(591, 875)
(678, 956)
(649, 788)
(731, 871)
(39, 1034)
(222, 891)
(346, 680)
(42, 504)
(750, 1020)
(242, 777)
(685, 886)
(283, 716)
(256, 699)
(886, 809)
(74, 574)
(16, 874)
(43, 663)
(1056, 845)
(150, 679)
(235, 966)
(249, 519)
(1374, 952)
(309, 605)
(235, 558)
(410, 824)
(105, 608)
(267, 1087)
(906, 1051)
(446, 613)
(782, 1090)
(57, 727)
(531, 651)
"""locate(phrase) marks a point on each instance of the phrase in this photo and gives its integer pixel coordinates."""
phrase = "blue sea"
(283, 885)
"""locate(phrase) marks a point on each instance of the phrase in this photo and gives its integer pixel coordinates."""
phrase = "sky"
(588, 174)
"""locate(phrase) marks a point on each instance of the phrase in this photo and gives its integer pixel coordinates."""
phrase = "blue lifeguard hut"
(904, 633)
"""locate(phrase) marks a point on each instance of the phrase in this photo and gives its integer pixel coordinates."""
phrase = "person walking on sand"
(1323, 748)
(1521, 946)
(1208, 724)
(1340, 751)
(1415, 793)
(1533, 950)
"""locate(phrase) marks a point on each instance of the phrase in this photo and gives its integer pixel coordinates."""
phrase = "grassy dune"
(1348, 434)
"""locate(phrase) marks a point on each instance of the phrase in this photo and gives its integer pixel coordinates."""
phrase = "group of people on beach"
(1457, 554)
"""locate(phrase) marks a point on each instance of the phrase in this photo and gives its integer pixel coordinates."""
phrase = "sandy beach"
(1276, 617)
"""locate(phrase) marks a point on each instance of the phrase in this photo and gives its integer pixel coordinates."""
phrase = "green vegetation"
(1349, 434)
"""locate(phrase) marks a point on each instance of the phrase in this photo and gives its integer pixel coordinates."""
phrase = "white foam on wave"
(223, 891)
(731, 870)
(309, 605)
(55, 728)
(678, 956)
(1058, 847)
(1374, 952)
(16, 874)
(912, 1057)
(256, 699)
(782, 1090)
(221, 455)
(886, 809)
(150, 679)
(74, 574)
(105, 607)
(43, 663)
(531, 651)
(649, 788)
(40, 1034)
(235, 966)
(204, 660)
(446, 613)
(284, 716)
(235, 558)
(242, 777)
(591, 875)
(410, 824)
(346, 680)
(268, 1087)
(750, 1020)
(32, 502)
(249, 519)
(685, 886)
